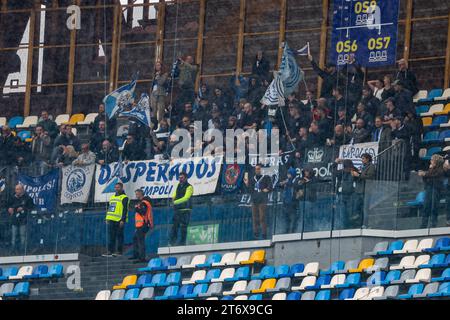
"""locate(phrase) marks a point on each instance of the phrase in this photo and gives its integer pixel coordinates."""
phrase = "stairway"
(97, 273)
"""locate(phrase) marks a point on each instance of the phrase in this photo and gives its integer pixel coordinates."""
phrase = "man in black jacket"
(329, 76)
(48, 125)
(259, 186)
(407, 76)
(18, 209)
(132, 150)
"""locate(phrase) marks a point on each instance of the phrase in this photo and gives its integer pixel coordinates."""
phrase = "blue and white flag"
(119, 99)
(285, 81)
(76, 183)
(290, 72)
(141, 112)
(2, 184)
(275, 93)
(304, 51)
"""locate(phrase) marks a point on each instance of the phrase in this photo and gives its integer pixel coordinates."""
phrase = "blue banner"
(43, 190)
(232, 176)
(366, 31)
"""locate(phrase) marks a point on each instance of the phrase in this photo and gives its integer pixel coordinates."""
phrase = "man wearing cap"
(407, 76)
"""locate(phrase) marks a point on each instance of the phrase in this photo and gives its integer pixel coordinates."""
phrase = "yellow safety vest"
(115, 208)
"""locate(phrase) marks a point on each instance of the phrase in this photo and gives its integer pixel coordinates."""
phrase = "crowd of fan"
(348, 111)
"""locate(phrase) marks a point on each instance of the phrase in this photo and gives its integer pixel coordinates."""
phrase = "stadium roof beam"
(408, 27)
(240, 48)
(323, 41)
(282, 36)
(200, 42)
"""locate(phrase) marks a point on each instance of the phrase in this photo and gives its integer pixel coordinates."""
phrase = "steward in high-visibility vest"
(182, 204)
(116, 217)
(143, 222)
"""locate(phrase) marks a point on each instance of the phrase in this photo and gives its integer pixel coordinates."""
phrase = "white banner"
(76, 183)
(355, 151)
(158, 178)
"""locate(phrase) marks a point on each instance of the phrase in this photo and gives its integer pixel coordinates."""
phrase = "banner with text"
(76, 183)
(158, 179)
(355, 151)
(42, 190)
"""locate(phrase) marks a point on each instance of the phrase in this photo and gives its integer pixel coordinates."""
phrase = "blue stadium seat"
(431, 137)
(157, 279)
(242, 273)
(213, 258)
(184, 290)
(347, 294)
(8, 272)
(335, 266)
(211, 274)
(22, 289)
(297, 268)
(131, 294)
(37, 272)
(166, 263)
(323, 295)
(396, 245)
(153, 264)
(256, 297)
(143, 281)
(227, 298)
(435, 93)
(15, 121)
(431, 152)
(437, 121)
(322, 280)
(374, 280)
(442, 244)
(419, 201)
(267, 272)
(422, 109)
(172, 279)
(414, 289)
(436, 261)
(444, 136)
(352, 280)
(294, 296)
(444, 291)
(445, 276)
(200, 288)
(55, 271)
(170, 292)
(282, 271)
(391, 276)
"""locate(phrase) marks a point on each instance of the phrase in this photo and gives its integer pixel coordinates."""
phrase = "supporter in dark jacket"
(48, 125)
(329, 76)
(261, 67)
(111, 124)
(344, 183)
(19, 207)
(372, 103)
(290, 202)
(98, 137)
(22, 153)
(107, 154)
(361, 177)
(406, 76)
(382, 134)
(403, 98)
(360, 134)
(434, 187)
(132, 150)
(7, 146)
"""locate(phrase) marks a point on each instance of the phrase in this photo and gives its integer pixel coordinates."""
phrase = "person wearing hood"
(307, 195)
(345, 187)
(290, 202)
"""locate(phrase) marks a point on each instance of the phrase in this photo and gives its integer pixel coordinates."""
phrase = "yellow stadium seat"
(364, 264)
(127, 281)
(445, 111)
(258, 256)
(267, 284)
(427, 121)
(74, 119)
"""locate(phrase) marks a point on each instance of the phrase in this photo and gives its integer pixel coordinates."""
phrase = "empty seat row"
(18, 290)
(441, 121)
(434, 110)
(20, 122)
(202, 261)
(28, 272)
(436, 137)
(410, 246)
(423, 96)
